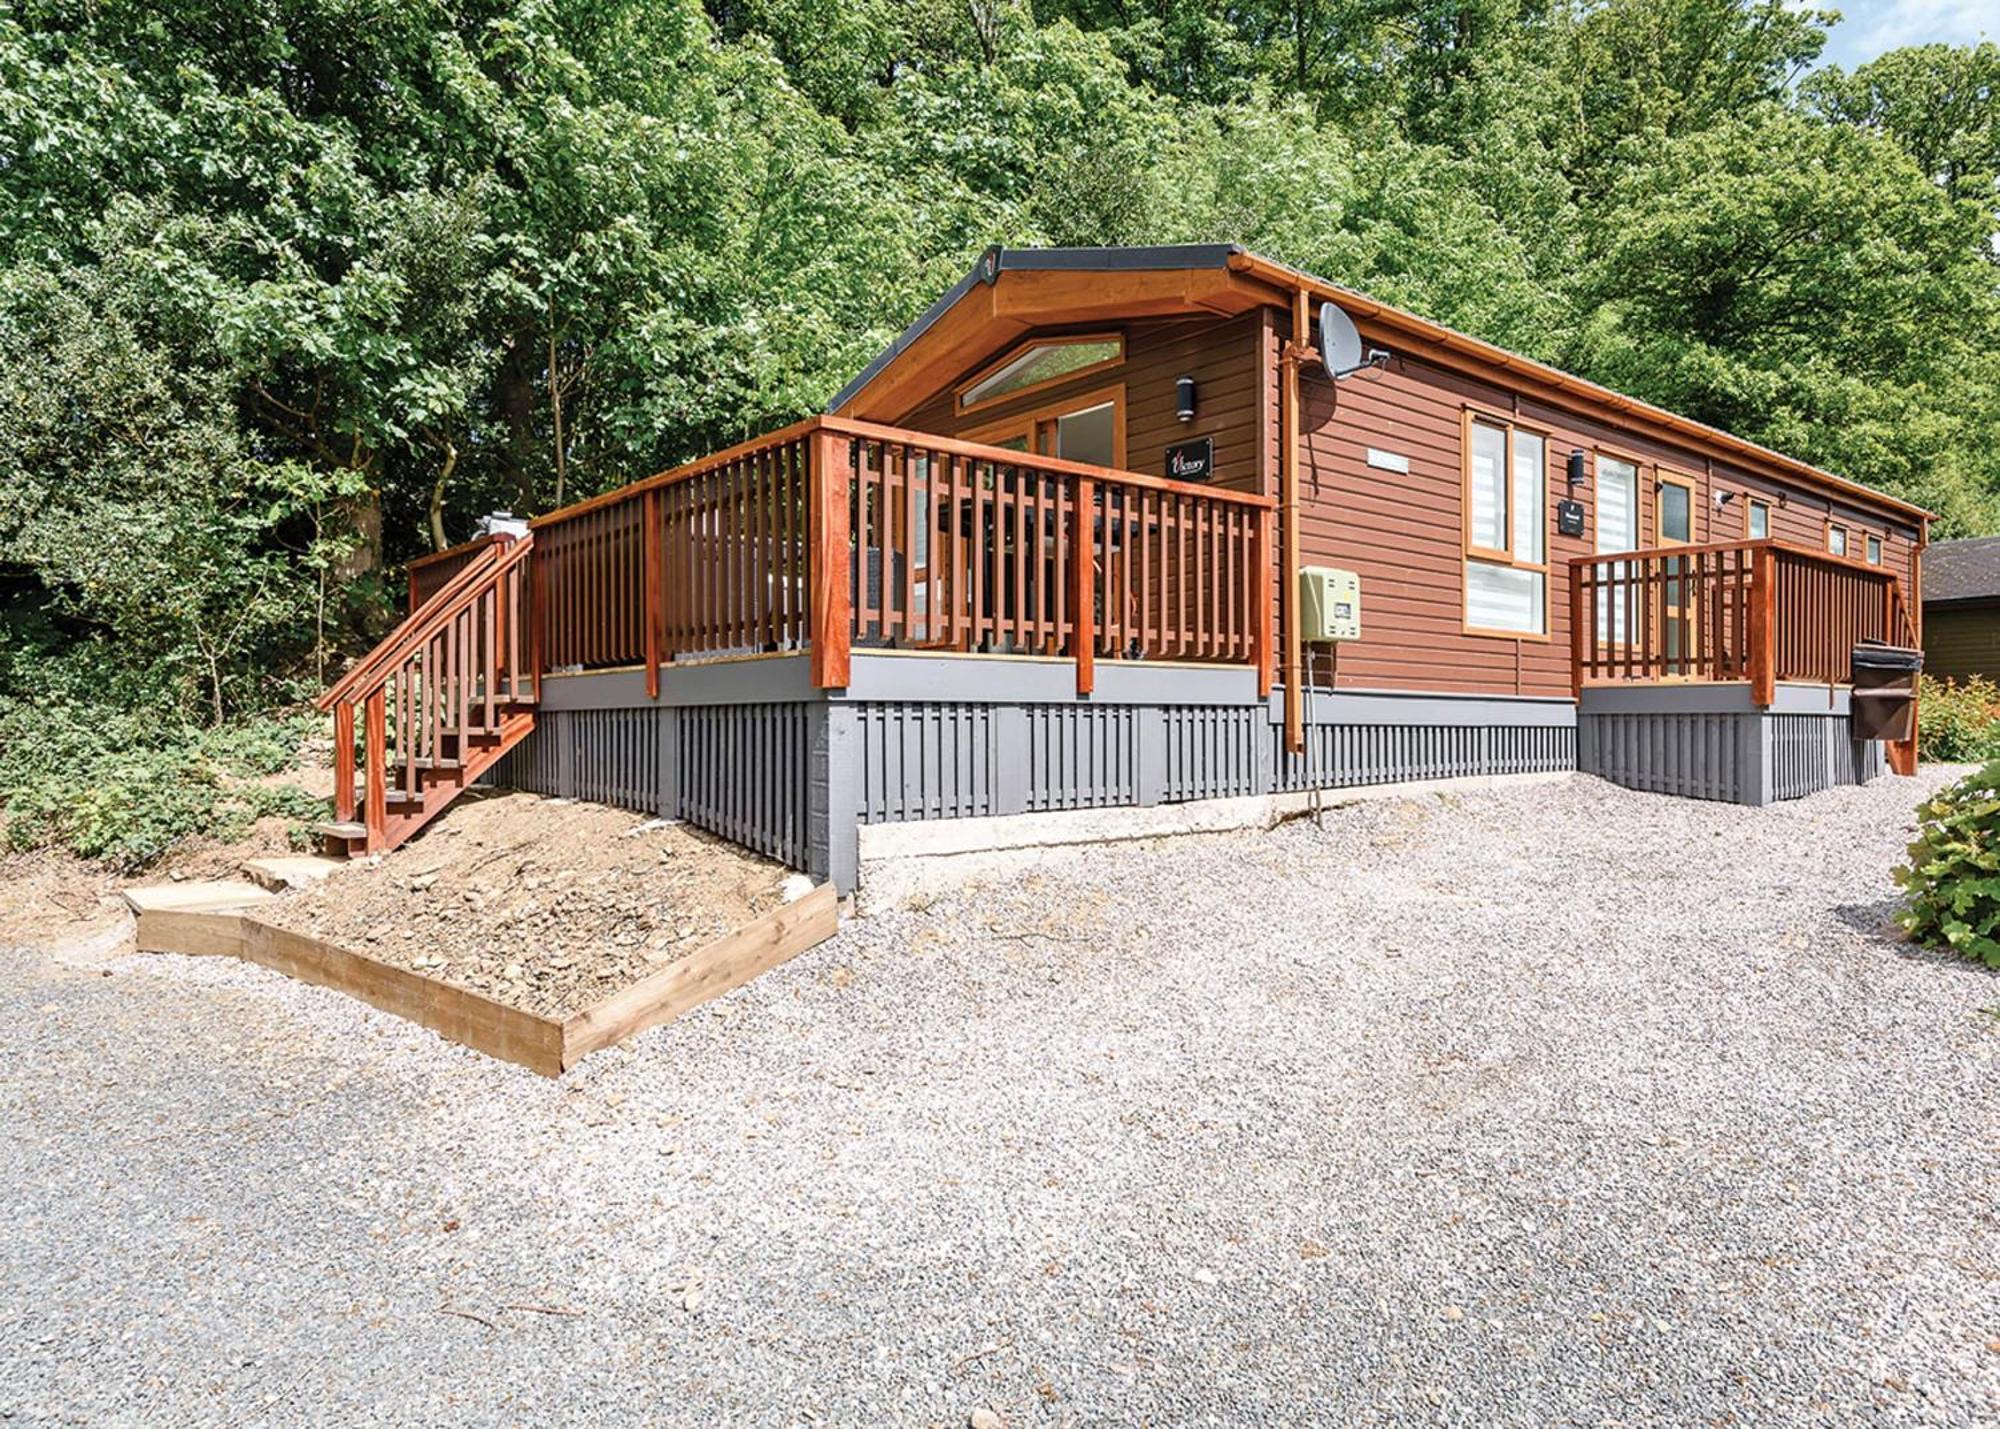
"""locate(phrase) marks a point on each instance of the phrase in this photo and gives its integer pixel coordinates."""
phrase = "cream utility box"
(1329, 604)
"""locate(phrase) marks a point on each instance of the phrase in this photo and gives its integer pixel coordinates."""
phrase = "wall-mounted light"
(1184, 398)
(1723, 498)
(1576, 468)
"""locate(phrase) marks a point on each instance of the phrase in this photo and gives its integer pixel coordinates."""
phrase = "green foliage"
(291, 292)
(1952, 879)
(1958, 723)
(88, 764)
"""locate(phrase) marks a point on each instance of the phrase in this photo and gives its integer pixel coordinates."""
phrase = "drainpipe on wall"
(1297, 353)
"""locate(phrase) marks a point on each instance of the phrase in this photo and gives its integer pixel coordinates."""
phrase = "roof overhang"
(1013, 291)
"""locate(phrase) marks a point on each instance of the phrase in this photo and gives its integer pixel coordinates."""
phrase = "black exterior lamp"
(1184, 398)
(1576, 467)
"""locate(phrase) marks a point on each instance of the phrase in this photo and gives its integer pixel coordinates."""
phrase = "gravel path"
(1559, 1105)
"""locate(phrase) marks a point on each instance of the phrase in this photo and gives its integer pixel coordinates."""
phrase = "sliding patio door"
(1617, 530)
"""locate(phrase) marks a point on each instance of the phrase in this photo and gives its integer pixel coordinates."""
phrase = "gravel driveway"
(1559, 1105)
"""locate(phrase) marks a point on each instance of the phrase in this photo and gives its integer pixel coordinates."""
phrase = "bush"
(1953, 876)
(1958, 723)
(89, 764)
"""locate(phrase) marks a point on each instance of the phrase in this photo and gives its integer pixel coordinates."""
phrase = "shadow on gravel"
(1877, 920)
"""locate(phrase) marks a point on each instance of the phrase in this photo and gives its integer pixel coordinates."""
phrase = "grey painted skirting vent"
(1348, 755)
(735, 770)
(1743, 756)
(925, 761)
(743, 775)
(1082, 756)
(617, 757)
(1693, 755)
(1811, 753)
(1212, 752)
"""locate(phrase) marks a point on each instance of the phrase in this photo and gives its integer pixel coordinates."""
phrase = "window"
(1757, 520)
(1874, 550)
(1836, 539)
(1086, 426)
(1617, 530)
(1673, 513)
(1506, 563)
(1040, 363)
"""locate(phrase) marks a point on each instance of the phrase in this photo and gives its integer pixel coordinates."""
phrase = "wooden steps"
(436, 704)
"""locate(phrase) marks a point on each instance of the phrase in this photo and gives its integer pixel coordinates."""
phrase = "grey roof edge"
(999, 259)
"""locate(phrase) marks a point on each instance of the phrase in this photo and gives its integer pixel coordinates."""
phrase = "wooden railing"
(831, 534)
(432, 573)
(1756, 611)
(441, 680)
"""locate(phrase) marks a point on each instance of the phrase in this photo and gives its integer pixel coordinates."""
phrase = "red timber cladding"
(1403, 534)
(1222, 355)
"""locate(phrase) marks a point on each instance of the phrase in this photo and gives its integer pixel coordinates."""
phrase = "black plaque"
(1191, 461)
(1569, 518)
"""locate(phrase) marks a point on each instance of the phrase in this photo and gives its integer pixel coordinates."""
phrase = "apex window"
(1040, 363)
(1506, 557)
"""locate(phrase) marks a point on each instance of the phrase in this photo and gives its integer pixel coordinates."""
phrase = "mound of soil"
(547, 904)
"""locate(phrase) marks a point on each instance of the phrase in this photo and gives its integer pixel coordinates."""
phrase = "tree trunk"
(438, 541)
(363, 516)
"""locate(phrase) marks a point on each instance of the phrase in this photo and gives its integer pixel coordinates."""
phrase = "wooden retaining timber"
(546, 1045)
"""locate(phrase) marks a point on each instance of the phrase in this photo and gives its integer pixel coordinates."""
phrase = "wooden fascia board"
(1474, 357)
(1071, 296)
(993, 316)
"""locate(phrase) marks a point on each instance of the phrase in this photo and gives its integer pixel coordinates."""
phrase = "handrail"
(1790, 548)
(439, 567)
(429, 618)
(832, 531)
(431, 558)
(1759, 611)
(873, 431)
(347, 682)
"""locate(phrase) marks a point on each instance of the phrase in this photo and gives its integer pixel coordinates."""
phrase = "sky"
(1868, 27)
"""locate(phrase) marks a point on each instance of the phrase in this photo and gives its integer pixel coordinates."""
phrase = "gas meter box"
(1329, 604)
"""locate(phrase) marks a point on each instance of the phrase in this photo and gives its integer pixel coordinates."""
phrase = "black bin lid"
(1874, 655)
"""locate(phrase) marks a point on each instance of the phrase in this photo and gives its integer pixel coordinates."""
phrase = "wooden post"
(1265, 577)
(538, 605)
(832, 613)
(1903, 753)
(1763, 628)
(343, 762)
(1578, 631)
(1082, 588)
(649, 513)
(376, 718)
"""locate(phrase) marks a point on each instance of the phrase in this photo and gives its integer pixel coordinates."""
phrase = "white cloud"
(1869, 27)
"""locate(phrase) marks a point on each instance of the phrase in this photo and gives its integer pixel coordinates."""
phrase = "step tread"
(336, 829)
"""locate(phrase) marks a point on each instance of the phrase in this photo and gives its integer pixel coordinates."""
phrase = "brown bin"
(1885, 691)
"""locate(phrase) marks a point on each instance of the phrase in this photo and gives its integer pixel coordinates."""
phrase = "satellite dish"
(1339, 343)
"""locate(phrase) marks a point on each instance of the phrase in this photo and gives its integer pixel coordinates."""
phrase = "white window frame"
(1516, 526)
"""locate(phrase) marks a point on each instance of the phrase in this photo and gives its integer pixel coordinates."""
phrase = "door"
(1088, 427)
(1674, 512)
(1617, 502)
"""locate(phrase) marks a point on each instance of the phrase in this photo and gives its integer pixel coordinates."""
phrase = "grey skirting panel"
(741, 749)
(1340, 756)
(1739, 757)
(740, 771)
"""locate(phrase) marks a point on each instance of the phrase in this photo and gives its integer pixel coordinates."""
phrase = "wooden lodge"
(1045, 556)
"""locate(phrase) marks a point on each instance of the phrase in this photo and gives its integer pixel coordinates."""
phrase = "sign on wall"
(1192, 460)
